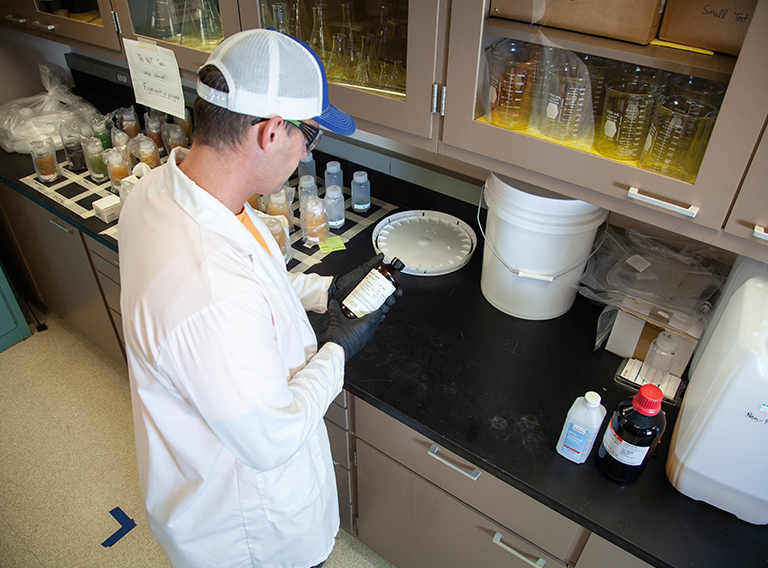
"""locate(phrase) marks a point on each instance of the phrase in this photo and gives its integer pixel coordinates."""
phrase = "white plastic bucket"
(544, 239)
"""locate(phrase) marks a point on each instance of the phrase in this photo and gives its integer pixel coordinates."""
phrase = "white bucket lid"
(537, 209)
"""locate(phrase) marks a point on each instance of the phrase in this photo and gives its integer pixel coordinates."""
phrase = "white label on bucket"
(638, 262)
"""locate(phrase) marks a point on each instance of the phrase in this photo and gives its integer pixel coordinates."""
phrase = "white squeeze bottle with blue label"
(581, 426)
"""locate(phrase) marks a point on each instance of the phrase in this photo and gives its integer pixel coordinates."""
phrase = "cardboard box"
(107, 208)
(629, 20)
(717, 25)
(633, 333)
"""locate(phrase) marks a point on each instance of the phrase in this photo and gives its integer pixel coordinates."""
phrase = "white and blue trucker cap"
(272, 74)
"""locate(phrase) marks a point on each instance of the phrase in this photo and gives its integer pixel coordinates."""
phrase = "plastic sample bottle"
(661, 355)
(117, 167)
(581, 427)
(373, 290)
(314, 224)
(100, 131)
(70, 140)
(307, 188)
(307, 166)
(333, 175)
(93, 147)
(334, 206)
(361, 192)
(632, 435)
(154, 130)
(279, 205)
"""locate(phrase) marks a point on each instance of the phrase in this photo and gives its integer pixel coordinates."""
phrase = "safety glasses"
(311, 133)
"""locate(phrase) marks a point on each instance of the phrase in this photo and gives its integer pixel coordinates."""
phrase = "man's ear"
(268, 132)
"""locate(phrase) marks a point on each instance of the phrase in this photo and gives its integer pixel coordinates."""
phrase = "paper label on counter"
(622, 451)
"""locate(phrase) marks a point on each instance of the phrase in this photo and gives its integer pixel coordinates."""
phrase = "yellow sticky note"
(332, 244)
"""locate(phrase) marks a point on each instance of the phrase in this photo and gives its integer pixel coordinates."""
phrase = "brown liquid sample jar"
(373, 290)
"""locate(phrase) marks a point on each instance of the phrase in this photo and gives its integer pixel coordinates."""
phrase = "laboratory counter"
(495, 390)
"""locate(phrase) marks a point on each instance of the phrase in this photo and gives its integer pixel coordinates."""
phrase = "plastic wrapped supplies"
(37, 117)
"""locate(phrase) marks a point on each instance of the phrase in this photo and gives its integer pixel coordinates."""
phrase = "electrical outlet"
(122, 78)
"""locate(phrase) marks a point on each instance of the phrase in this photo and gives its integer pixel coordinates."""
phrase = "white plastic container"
(307, 166)
(544, 239)
(718, 451)
(581, 427)
(333, 175)
(361, 192)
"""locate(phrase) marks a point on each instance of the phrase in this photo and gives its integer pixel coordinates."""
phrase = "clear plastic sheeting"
(34, 118)
(671, 282)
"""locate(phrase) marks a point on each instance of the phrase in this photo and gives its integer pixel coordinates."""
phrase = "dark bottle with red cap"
(632, 435)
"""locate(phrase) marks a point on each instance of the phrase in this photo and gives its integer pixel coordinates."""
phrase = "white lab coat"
(228, 387)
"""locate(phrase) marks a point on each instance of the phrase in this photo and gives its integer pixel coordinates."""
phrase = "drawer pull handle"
(62, 227)
(16, 20)
(531, 560)
(473, 475)
(760, 233)
(49, 27)
(691, 211)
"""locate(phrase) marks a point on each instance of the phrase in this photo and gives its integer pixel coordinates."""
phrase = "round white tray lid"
(430, 243)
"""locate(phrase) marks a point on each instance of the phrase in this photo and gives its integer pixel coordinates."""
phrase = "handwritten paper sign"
(155, 76)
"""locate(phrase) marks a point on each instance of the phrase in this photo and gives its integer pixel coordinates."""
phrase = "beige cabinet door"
(401, 112)
(599, 553)
(88, 21)
(585, 173)
(190, 28)
(413, 524)
(749, 217)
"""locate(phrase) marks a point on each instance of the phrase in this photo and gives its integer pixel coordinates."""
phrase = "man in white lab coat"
(228, 385)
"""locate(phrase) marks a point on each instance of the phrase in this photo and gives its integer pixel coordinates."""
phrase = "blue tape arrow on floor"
(126, 524)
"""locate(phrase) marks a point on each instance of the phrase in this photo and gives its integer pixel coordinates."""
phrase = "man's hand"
(352, 334)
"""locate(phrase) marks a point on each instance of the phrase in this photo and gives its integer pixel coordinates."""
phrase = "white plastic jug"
(717, 453)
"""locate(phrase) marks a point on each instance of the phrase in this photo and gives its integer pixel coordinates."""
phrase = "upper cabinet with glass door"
(380, 57)
(191, 28)
(670, 130)
(88, 21)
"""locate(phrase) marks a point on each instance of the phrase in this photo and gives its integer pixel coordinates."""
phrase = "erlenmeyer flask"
(202, 25)
(298, 20)
(280, 17)
(396, 78)
(266, 14)
(388, 50)
(320, 40)
(337, 70)
(350, 29)
(162, 21)
(369, 75)
(385, 12)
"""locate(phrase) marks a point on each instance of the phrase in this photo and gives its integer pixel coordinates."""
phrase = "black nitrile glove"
(343, 285)
(352, 334)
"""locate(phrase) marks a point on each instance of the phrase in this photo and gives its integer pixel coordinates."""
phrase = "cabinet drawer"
(506, 505)
(599, 553)
(339, 439)
(111, 291)
(343, 483)
(414, 524)
(338, 415)
(104, 259)
(346, 517)
(342, 400)
(117, 318)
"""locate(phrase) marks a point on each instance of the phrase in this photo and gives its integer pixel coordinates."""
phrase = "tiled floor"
(67, 447)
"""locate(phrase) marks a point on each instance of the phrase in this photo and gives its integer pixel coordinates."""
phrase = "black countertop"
(495, 390)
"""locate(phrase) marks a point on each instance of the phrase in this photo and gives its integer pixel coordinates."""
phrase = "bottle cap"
(306, 181)
(307, 158)
(333, 191)
(361, 176)
(648, 399)
(592, 398)
(333, 166)
(668, 340)
(397, 263)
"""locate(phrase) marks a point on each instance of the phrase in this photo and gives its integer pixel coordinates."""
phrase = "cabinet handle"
(473, 475)
(691, 211)
(49, 27)
(760, 233)
(531, 560)
(62, 227)
(16, 20)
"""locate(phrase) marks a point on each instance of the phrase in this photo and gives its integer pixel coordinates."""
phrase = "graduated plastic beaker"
(678, 137)
(626, 118)
(567, 104)
(512, 69)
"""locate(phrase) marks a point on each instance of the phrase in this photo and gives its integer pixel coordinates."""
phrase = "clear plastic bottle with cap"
(154, 129)
(333, 174)
(307, 166)
(361, 192)
(100, 131)
(118, 167)
(635, 429)
(44, 157)
(581, 427)
(280, 205)
(93, 147)
(373, 290)
(307, 188)
(334, 206)
(149, 152)
(661, 355)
